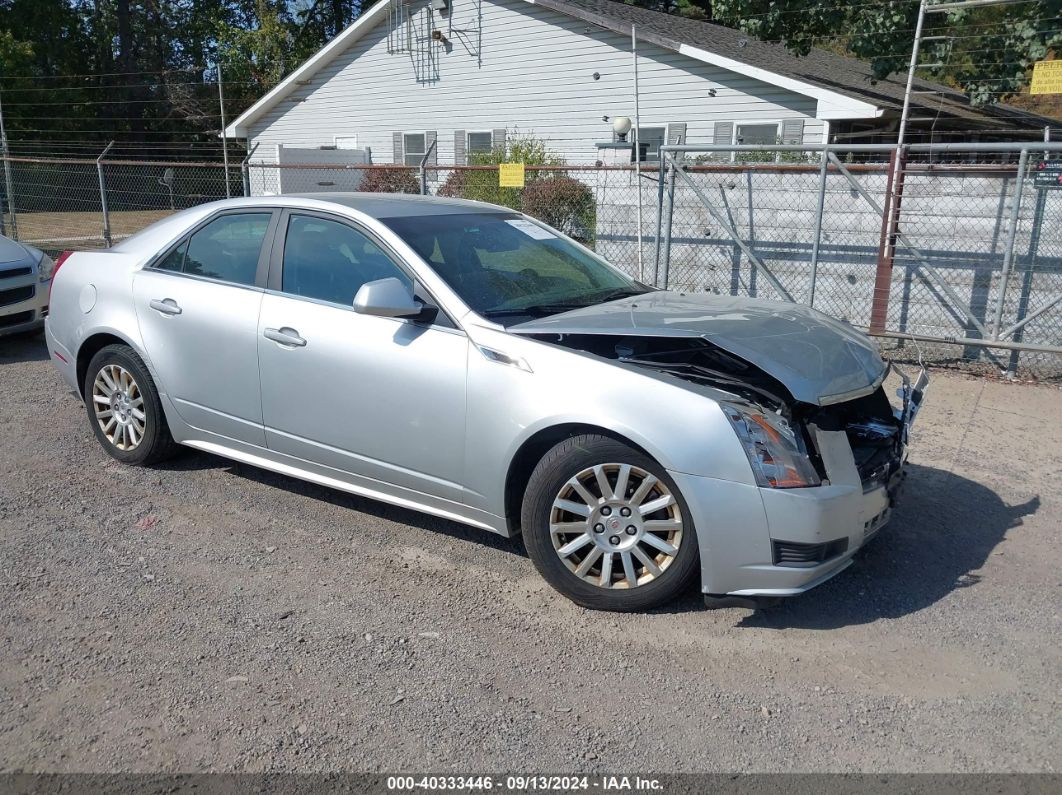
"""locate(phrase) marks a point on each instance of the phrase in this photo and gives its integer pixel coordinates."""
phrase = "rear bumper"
(63, 359)
(20, 312)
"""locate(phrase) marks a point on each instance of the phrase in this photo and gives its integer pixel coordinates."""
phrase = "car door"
(197, 305)
(383, 398)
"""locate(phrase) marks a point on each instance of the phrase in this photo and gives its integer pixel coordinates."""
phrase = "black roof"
(849, 76)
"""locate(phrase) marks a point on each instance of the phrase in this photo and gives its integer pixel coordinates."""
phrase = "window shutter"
(723, 133)
(498, 139)
(793, 131)
(396, 137)
(431, 137)
(676, 133)
(460, 152)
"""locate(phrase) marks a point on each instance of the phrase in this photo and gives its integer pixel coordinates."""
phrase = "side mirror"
(388, 297)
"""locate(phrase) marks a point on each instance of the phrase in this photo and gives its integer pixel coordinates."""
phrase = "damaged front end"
(828, 472)
(875, 429)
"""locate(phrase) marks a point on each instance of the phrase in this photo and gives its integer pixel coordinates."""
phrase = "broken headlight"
(775, 450)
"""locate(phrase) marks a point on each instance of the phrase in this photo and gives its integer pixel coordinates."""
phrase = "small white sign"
(533, 231)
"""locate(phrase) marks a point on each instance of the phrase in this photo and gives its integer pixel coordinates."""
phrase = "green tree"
(987, 51)
(691, 9)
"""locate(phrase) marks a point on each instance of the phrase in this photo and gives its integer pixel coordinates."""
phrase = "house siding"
(533, 73)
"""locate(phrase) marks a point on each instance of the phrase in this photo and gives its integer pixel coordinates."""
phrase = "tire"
(135, 400)
(549, 528)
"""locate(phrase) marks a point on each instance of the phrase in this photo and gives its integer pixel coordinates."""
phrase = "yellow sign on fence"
(1047, 78)
(511, 175)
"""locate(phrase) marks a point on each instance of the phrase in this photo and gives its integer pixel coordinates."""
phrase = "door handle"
(166, 306)
(285, 336)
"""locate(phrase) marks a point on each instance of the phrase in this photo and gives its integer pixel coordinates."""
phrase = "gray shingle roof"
(849, 76)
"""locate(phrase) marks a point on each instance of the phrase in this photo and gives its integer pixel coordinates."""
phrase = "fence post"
(659, 214)
(9, 198)
(818, 226)
(245, 170)
(666, 269)
(103, 196)
(424, 171)
(7, 180)
(224, 132)
(3, 224)
(1008, 252)
(887, 244)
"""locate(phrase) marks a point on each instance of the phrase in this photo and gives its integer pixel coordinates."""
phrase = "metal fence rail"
(952, 253)
(66, 203)
(952, 250)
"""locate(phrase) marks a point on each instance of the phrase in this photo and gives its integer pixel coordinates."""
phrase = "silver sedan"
(470, 362)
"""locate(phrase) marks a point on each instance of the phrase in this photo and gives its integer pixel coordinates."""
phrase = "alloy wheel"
(119, 407)
(616, 526)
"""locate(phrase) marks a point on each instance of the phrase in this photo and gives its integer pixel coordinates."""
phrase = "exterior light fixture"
(621, 125)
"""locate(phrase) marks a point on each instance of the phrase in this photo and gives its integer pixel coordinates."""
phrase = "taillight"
(55, 271)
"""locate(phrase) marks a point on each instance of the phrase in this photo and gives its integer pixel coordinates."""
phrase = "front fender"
(684, 430)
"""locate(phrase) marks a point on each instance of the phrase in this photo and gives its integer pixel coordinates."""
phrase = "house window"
(753, 134)
(414, 145)
(650, 139)
(480, 143)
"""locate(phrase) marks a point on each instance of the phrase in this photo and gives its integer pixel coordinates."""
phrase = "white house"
(463, 72)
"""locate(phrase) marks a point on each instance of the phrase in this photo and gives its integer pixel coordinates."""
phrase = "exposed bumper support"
(738, 525)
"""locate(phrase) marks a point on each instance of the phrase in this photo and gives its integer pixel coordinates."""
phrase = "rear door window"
(226, 249)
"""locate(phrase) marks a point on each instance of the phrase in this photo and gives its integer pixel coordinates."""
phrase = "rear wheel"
(124, 408)
(606, 526)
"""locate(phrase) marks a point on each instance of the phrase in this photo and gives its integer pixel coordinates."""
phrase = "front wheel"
(124, 408)
(607, 527)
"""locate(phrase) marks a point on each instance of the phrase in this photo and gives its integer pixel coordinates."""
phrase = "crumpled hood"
(816, 357)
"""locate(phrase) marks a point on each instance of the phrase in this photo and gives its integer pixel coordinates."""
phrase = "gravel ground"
(211, 616)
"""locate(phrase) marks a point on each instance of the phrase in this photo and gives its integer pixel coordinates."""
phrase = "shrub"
(551, 196)
(388, 180)
(454, 187)
(564, 203)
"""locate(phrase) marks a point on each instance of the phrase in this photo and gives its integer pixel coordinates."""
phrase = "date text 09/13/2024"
(524, 783)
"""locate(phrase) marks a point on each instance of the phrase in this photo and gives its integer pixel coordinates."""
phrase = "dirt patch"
(208, 615)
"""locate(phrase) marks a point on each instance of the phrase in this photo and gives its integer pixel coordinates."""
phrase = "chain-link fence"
(954, 255)
(63, 203)
(950, 253)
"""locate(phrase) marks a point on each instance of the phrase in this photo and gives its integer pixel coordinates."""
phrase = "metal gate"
(953, 245)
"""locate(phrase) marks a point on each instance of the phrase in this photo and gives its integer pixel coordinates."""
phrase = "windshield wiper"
(615, 295)
(538, 310)
(541, 310)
